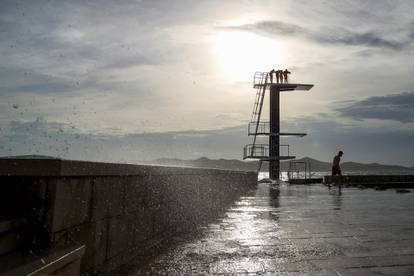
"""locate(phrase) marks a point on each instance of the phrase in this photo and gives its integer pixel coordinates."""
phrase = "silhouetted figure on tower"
(279, 76)
(271, 75)
(285, 75)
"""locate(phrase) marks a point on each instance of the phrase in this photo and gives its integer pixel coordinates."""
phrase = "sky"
(125, 81)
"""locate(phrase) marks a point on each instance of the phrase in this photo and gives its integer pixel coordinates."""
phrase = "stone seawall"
(120, 212)
(391, 181)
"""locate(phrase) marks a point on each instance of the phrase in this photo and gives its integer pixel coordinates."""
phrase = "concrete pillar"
(274, 140)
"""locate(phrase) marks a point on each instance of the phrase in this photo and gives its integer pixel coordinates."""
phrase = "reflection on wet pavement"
(303, 230)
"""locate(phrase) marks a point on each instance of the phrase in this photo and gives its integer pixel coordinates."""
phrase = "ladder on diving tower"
(257, 109)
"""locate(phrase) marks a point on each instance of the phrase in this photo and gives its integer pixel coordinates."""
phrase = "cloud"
(370, 39)
(270, 27)
(14, 80)
(412, 31)
(57, 55)
(325, 35)
(77, 41)
(43, 137)
(396, 107)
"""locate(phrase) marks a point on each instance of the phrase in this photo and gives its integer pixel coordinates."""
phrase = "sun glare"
(239, 54)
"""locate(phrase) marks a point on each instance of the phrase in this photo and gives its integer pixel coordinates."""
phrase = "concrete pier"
(300, 230)
(391, 181)
(118, 211)
(305, 181)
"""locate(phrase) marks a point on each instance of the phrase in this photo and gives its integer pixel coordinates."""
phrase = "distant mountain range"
(234, 164)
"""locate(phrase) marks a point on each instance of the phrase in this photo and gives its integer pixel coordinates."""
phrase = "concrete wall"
(395, 181)
(51, 262)
(120, 212)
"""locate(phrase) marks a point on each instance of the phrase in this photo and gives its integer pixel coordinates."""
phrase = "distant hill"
(234, 164)
(353, 166)
(203, 162)
(317, 165)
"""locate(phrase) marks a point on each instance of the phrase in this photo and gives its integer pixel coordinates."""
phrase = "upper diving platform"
(263, 79)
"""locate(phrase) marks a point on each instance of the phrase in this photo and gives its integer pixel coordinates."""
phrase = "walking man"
(336, 169)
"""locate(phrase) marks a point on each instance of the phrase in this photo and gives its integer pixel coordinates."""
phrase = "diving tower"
(270, 152)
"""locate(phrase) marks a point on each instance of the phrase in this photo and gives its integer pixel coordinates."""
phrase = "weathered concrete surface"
(306, 230)
(120, 212)
(56, 167)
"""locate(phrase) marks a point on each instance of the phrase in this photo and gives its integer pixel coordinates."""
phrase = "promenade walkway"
(308, 230)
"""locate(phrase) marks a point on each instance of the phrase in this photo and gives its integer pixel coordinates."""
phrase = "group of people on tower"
(281, 76)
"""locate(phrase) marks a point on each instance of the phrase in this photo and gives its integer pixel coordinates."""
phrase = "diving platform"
(261, 81)
(261, 151)
(287, 86)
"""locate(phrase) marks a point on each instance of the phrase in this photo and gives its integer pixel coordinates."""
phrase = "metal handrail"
(263, 128)
(260, 150)
(255, 128)
(255, 150)
(259, 78)
(293, 168)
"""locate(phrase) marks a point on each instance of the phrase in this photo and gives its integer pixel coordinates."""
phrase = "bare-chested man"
(279, 76)
(271, 75)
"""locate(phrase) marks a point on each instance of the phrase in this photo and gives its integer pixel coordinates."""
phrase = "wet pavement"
(300, 230)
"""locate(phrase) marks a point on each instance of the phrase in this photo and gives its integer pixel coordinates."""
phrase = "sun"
(239, 54)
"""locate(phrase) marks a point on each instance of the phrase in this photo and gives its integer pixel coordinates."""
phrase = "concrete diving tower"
(270, 152)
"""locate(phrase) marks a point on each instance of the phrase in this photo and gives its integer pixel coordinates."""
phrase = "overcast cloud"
(395, 107)
(326, 35)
